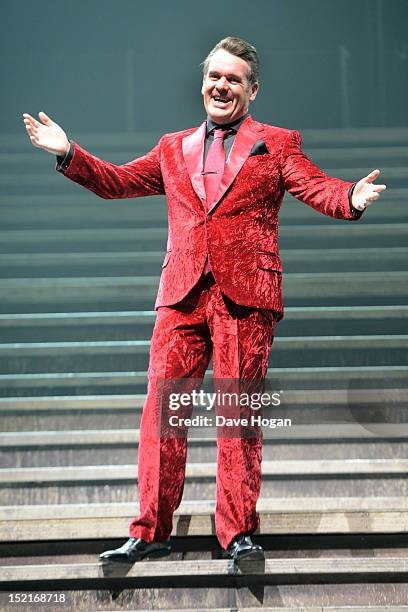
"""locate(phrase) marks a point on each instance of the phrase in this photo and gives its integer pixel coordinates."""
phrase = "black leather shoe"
(136, 549)
(242, 547)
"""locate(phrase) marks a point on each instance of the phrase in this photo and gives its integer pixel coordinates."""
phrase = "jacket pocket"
(268, 261)
(166, 259)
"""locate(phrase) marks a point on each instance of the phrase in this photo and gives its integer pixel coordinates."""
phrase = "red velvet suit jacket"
(240, 230)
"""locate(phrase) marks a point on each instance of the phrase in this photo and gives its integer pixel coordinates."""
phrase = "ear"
(254, 91)
(202, 87)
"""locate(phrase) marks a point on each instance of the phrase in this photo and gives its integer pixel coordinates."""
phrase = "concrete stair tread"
(153, 256)
(134, 402)
(270, 470)
(355, 342)
(346, 288)
(123, 324)
(115, 263)
(152, 280)
(289, 505)
(319, 374)
(278, 515)
(151, 233)
(144, 316)
(115, 437)
(296, 568)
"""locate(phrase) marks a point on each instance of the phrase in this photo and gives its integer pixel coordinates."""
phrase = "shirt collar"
(235, 125)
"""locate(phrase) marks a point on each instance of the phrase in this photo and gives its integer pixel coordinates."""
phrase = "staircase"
(78, 277)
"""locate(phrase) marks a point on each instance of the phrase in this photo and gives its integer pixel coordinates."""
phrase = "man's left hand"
(365, 192)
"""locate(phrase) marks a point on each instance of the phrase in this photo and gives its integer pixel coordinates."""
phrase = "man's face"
(226, 90)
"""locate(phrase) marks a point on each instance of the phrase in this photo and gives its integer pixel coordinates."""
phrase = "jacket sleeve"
(309, 184)
(137, 178)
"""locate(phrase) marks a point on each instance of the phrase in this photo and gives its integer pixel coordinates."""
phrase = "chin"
(220, 116)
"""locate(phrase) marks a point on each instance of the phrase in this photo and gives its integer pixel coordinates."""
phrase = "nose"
(222, 83)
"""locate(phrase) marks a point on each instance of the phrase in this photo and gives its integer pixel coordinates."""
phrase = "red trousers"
(204, 324)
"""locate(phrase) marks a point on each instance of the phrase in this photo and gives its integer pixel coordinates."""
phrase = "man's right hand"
(46, 135)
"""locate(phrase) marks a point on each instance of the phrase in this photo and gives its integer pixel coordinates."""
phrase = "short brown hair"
(240, 48)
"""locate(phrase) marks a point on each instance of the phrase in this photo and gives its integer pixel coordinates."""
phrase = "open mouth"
(219, 101)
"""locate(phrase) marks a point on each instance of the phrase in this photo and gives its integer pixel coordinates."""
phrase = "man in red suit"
(220, 287)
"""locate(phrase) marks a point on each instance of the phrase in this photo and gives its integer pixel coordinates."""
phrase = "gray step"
(121, 325)
(124, 355)
(107, 483)
(288, 450)
(130, 437)
(343, 234)
(279, 470)
(328, 394)
(89, 492)
(84, 210)
(299, 450)
(323, 395)
(41, 448)
(305, 377)
(300, 289)
(297, 597)
(272, 571)
(278, 516)
(238, 594)
(149, 262)
(73, 210)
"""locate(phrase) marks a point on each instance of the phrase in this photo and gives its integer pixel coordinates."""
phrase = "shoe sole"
(153, 554)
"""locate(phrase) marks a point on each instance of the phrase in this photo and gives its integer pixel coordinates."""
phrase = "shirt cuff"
(63, 162)
(354, 211)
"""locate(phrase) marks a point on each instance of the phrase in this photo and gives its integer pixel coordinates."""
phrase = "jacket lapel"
(247, 136)
(193, 152)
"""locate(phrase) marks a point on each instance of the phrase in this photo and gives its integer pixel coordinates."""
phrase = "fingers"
(374, 174)
(31, 129)
(32, 132)
(29, 120)
(44, 118)
(31, 126)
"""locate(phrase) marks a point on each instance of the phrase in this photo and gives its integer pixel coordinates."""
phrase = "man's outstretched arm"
(329, 195)
(140, 177)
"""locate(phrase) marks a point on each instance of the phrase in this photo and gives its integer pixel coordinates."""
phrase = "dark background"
(127, 65)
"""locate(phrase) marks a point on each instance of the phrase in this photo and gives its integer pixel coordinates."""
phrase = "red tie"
(214, 166)
(213, 171)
